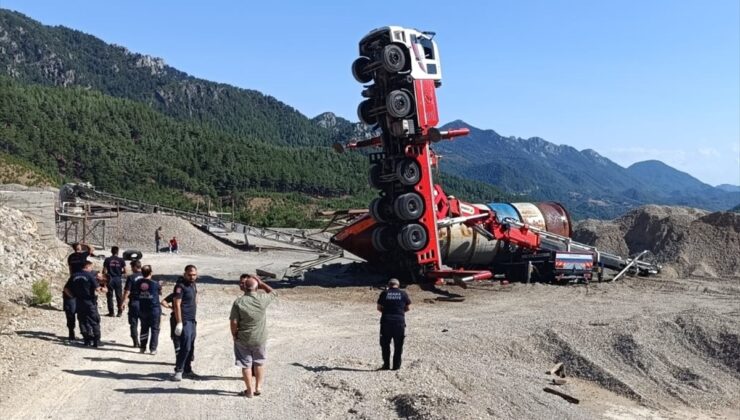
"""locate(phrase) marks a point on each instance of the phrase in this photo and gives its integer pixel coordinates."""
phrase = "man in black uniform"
(393, 303)
(130, 293)
(114, 267)
(84, 286)
(70, 308)
(185, 303)
(77, 259)
(149, 310)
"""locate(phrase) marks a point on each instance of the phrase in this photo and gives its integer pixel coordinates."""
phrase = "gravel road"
(642, 348)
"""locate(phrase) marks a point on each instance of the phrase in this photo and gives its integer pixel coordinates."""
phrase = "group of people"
(173, 245)
(140, 294)
(248, 320)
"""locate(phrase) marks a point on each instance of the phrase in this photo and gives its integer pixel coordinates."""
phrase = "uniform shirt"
(131, 281)
(115, 265)
(83, 285)
(393, 301)
(148, 294)
(77, 261)
(249, 312)
(187, 293)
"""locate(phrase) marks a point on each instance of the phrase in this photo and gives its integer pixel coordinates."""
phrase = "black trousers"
(186, 355)
(89, 319)
(114, 287)
(175, 339)
(133, 318)
(70, 310)
(149, 329)
(395, 332)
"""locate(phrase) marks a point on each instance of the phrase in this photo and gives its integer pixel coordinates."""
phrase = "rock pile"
(24, 258)
(136, 231)
(690, 242)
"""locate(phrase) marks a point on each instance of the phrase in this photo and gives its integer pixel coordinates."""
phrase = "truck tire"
(363, 112)
(380, 210)
(412, 237)
(408, 172)
(382, 239)
(399, 103)
(394, 58)
(409, 206)
(358, 70)
(376, 171)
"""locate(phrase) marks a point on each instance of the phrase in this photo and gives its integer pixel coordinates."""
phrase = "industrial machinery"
(413, 228)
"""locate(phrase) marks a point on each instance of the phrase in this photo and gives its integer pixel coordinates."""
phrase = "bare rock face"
(24, 257)
(690, 242)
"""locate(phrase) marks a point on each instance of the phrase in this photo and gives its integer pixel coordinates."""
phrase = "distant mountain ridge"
(585, 181)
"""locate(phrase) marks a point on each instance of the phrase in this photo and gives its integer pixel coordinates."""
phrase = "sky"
(632, 79)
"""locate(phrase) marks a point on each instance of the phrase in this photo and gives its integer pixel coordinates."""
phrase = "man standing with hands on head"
(249, 330)
(393, 303)
(185, 303)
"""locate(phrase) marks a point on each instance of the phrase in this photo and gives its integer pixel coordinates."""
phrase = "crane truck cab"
(398, 50)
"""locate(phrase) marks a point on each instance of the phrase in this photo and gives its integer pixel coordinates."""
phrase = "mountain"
(77, 108)
(588, 184)
(59, 56)
(728, 187)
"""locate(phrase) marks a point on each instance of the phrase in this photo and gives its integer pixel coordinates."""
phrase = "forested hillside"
(126, 147)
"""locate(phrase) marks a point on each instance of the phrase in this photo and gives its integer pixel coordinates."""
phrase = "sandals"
(245, 393)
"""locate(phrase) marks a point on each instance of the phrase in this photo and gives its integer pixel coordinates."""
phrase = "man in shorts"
(249, 330)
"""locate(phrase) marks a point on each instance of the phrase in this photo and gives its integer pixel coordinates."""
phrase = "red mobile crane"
(413, 227)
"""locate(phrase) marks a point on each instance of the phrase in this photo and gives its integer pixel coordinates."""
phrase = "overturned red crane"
(413, 229)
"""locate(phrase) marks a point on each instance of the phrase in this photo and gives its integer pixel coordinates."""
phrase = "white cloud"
(708, 152)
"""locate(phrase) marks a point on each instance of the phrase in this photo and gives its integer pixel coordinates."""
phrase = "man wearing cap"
(393, 303)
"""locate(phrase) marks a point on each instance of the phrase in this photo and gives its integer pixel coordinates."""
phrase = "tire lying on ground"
(132, 255)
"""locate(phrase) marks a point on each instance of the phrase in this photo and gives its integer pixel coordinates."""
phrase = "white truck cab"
(400, 51)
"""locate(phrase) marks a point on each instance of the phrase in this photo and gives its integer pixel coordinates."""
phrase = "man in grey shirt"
(249, 330)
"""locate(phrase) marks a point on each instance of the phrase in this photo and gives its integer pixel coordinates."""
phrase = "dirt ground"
(641, 348)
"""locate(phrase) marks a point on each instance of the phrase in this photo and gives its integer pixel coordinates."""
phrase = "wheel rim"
(412, 237)
(409, 206)
(393, 58)
(399, 104)
(409, 172)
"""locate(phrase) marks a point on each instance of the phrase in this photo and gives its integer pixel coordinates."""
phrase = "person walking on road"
(185, 302)
(249, 330)
(130, 294)
(114, 267)
(84, 287)
(157, 239)
(393, 303)
(150, 312)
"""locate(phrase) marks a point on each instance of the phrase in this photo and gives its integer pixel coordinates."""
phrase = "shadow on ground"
(158, 376)
(179, 390)
(119, 360)
(327, 368)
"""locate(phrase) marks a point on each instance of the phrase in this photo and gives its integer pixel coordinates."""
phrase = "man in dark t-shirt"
(114, 267)
(77, 259)
(84, 286)
(393, 303)
(130, 293)
(185, 303)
